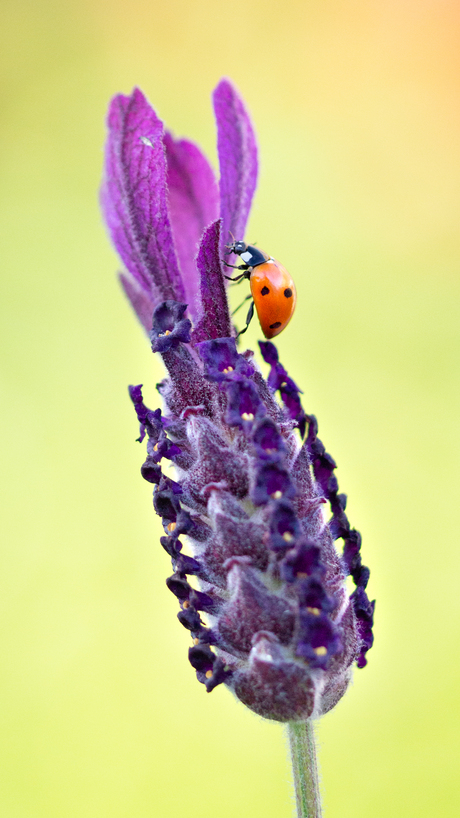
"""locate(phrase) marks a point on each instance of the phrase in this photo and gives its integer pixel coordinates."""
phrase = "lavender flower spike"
(259, 582)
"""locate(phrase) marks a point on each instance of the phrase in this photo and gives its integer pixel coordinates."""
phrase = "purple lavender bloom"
(263, 590)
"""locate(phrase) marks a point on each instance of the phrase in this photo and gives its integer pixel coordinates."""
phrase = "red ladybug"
(272, 288)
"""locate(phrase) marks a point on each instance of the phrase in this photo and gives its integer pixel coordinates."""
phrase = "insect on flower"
(267, 609)
(272, 288)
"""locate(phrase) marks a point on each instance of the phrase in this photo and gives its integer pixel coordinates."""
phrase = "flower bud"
(258, 579)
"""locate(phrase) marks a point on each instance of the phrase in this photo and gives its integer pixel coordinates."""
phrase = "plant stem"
(304, 769)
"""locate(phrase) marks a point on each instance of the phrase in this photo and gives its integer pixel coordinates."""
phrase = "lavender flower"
(263, 592)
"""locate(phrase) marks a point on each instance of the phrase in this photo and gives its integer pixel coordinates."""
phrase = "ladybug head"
(237, 247)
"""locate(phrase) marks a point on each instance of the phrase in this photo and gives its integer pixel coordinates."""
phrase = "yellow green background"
(356, 107)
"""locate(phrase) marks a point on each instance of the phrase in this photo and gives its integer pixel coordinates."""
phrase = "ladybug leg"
(243, 302)
(236, 266)
(248, 319)
(236, 279)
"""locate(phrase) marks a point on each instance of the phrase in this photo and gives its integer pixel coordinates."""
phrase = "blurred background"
(356, 107)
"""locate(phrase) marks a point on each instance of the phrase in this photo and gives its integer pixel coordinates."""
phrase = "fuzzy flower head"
(259, 581)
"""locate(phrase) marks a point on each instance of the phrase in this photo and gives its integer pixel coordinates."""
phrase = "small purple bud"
(302, 561)
(169, 327)
(364, 611)
(272, 483)
(312, 596)
(221, 360)
(243, 405)
(284, 527)
(279, 380)
(318, 639)
(268, 441)
(166, 503)
(151, 471)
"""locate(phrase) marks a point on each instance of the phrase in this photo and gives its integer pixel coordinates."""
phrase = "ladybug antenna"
(229, 247)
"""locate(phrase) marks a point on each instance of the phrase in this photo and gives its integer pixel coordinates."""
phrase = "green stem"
(305, 769)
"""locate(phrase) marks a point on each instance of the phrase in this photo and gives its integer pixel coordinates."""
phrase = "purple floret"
(169, 327)
(243, 404)
(222, 361)
(279, 381)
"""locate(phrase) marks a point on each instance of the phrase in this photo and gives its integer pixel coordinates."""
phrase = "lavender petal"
(193, 204)
(134, 197)
(215, 317)
(141, 299)
(237, 149)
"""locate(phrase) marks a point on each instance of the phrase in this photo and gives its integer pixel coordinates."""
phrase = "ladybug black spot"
(264, 291)
(275, 325)
(288, 292)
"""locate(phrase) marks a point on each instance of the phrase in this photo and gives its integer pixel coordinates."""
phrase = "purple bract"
(263, 590)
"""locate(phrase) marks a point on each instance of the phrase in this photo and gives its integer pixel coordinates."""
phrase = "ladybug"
(272, 288)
